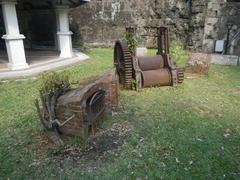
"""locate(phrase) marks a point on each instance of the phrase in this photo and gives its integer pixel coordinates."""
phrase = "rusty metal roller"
(161, 77)
(147, 63)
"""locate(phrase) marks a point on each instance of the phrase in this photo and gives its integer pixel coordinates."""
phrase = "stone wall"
(101, 22)
(220, 14)
(197, 24)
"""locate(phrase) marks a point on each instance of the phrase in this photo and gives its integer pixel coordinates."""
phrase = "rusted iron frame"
(96, 103)
(162, 36)
(177, 74)
(163, 41)
(138, 74)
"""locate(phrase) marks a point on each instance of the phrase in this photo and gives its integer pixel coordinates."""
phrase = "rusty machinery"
(146, 71)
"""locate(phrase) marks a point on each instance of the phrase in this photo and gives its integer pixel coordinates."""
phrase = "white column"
(13, 38)
(64, 34)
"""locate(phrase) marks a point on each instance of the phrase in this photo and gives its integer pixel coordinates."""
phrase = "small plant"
(53, 82)
(53, 86)
(133, 84)
(131, 41)
(179, 53)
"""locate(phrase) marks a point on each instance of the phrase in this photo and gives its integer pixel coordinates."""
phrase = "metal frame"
(121, 59)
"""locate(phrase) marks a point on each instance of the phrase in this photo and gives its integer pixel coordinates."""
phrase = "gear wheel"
(123, 62)
(180, 74)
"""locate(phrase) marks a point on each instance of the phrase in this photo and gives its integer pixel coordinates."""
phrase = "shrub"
(53, 86)
(179, 54)
(53, 82)
(131, 41)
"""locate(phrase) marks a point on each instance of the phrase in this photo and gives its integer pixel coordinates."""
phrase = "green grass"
(188, 132)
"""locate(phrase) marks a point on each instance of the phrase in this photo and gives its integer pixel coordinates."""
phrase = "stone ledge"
(225, 59)
(50, 65)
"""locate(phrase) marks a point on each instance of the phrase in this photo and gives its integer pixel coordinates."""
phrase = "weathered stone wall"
(198, 24)
(197, 18)
(101, 22)
(220, 14)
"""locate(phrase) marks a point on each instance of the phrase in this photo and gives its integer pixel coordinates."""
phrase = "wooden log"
(45, 123)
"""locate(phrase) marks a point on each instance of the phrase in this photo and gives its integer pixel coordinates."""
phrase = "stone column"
(13, 38)
(64, 34)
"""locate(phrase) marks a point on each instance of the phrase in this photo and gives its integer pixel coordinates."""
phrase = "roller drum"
(150, 63)
(159, 77)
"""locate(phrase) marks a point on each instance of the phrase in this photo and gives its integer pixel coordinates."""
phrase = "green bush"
(179, 54)
(53, 81)
(131, 41)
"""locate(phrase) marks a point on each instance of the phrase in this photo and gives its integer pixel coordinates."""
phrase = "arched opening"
(95, 105)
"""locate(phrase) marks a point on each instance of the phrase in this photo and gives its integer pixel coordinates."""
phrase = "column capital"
(13, 37)
(8, 2)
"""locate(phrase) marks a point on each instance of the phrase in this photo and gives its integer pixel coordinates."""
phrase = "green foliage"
(131, 41)
(53, 81)
(133, 84)
(179, 54)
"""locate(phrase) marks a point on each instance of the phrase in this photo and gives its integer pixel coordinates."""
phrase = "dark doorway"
(2, 31)
(37, 21)
(43, 29)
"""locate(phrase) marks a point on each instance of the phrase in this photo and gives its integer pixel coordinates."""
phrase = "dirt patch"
(98, 147)
(108, 140)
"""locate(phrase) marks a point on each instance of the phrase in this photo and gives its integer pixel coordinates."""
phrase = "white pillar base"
(15, 51)
(65, 44)
(18, 66)
(64, 34)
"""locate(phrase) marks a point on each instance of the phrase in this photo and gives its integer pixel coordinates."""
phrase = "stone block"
(211, 20)
(141, 51)
(208, 45)
(225, 59)
(198, 63)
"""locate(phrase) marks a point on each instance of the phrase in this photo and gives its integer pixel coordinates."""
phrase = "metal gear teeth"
(121, 51)
(180, 74)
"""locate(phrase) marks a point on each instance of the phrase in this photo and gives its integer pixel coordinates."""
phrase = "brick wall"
(74, 104)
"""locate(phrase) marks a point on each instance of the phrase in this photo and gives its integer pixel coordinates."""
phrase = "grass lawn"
(188, 132)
